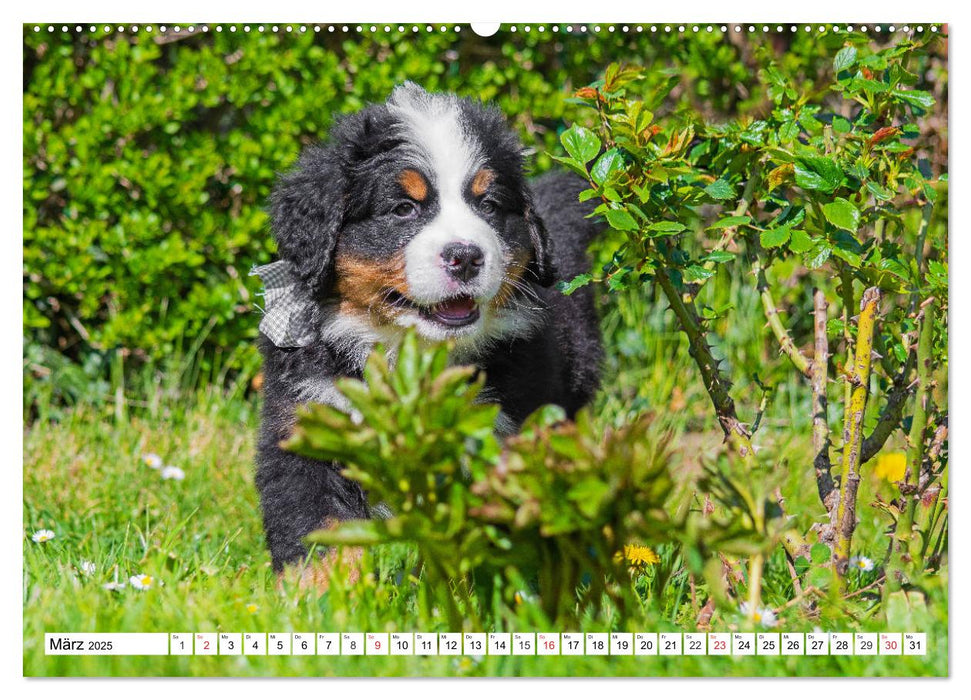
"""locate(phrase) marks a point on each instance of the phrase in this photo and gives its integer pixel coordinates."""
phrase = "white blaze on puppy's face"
(451, 157)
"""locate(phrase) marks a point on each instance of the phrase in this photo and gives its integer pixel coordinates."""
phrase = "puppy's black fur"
(336, 202)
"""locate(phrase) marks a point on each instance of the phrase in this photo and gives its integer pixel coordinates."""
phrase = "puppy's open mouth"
(456, 312)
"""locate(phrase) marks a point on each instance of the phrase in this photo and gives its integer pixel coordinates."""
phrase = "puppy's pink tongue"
(457, 308)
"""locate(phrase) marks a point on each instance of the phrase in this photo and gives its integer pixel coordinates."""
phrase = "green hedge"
(148, 162)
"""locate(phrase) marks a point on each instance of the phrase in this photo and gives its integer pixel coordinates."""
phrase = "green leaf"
(720, 189)
(620, 279)
(696, 273)
(775, 237)
(789, 131)
(819, 553)
(841, 125)
(610, 163)
(866, 85)
(730, 221)
(581, 143)
(909, 131)
(880, 192)
(719, 256)
(666, 228)
(568, 288)
(915, 98)
(620, 220)
(847, 254)
(896, 268)
(842, 214)
(571, 164)
(808, 121)
(818, 173)
(818, 255)
(845, 58)
(800, 241)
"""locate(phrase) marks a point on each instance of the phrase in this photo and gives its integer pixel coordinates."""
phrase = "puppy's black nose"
(463, 260)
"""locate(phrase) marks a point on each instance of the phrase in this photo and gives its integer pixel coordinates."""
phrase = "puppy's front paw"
(338, 563)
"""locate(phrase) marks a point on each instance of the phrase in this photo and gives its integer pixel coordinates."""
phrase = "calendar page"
(485, 350)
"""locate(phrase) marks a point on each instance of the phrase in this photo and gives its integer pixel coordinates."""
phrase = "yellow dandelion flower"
(891, 466)
(639, 555)
(252, 608)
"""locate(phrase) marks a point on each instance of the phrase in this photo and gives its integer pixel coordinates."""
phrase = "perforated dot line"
(428, 28)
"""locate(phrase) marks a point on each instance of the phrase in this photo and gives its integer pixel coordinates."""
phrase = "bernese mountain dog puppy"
(415, 214)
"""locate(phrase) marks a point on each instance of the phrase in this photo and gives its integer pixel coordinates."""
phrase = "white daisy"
(113, 586)
(141, 582)
(862, 563)
(763, 616)
(171, 472)
(152, 460)
(87, 567)
(43, 536)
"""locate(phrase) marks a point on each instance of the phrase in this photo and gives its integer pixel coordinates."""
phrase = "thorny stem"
(763, 404)
(603, 120)
(890, 417)
(715, 384)
(904, 535)
(858, 380)
(925, 221)
(849, 303)
(819, 376)
(775, 322)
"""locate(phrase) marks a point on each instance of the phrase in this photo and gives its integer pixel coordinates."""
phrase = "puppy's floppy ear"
(307, 209)
(541, 267)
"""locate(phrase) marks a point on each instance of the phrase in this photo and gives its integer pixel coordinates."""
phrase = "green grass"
(201, 537)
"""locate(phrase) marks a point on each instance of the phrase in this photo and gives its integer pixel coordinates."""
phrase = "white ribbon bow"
(286, 316)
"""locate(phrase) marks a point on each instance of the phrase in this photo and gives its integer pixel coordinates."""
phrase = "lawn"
(200, 537)
(768, 449)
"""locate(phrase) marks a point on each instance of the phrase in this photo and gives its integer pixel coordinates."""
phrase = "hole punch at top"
(485, 28)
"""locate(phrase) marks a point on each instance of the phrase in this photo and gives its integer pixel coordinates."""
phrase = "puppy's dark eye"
(488, 206)
(406, 210)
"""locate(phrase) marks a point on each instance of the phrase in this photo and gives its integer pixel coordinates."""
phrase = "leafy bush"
(728, 200)
(552, 507)
(837, 188)
(148, 159)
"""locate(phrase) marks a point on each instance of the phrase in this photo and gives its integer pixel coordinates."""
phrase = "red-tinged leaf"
(883, 134)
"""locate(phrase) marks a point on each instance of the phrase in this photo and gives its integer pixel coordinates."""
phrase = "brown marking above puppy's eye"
(481, 181)
(414, 184)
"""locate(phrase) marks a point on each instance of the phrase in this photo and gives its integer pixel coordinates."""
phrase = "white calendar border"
(11, 645)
